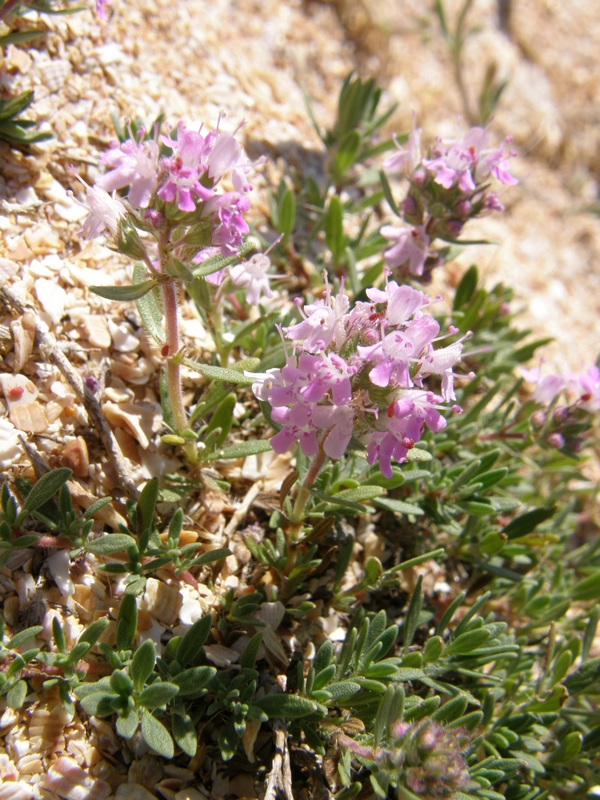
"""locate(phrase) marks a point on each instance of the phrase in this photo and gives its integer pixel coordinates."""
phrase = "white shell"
(66, 779)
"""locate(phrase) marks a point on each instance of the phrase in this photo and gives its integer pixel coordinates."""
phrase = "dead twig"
(279, 782)
(48, 343)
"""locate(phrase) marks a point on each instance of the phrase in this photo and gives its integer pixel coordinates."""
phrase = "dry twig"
(47, 342)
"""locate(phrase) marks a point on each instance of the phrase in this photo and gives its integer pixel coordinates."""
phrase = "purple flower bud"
(556, 440)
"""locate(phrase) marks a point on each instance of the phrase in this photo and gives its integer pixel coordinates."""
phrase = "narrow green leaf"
(157, 695)
(219, 373)
(250, 654)
(124, 293)
(413, 613)
(359, 494)
(157, 736)
(110, 543)
(342, 689)
(451, 710)
(58, 635)
(23, 637)
(399, 506)
(184, 733)
(527, 522)
(211, 556)
(146, 506)
(588, 588)
(215, 263)
(149, 307)
(45, 489)
(192, 643)
(467, 642)
(15, 697)
(193, 681)
(286, 706)
(126, 622)
(466, 288)
(242, 450)
(127, 725)
(142, 664)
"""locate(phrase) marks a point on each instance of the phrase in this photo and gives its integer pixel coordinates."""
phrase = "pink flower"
(397, 431)
(323, 322)
(232, 227)
(252, 275)
(133, 164)
(105, 213)
(310, 398)
(589, 388)
(101, 8)
(406, 159)
(411, 244)
(403, 301)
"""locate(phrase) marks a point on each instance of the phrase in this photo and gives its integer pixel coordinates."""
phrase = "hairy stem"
(173, 346)
(304, 494)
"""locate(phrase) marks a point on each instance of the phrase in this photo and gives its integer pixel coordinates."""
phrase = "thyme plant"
(428, 427)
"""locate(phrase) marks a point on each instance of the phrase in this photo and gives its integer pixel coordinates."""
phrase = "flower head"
(252, 275)
(133, 164)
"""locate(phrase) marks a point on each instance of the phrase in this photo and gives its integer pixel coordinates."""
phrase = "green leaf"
(342, 689)
(587, 588)
(219, 373)
(142, 664)
(133, 292)
(241, 450)
(399, 506)
(121, 683)
(418, 454)
(98, 703)
(127, 622)
(334, 230)
(451, 710)
(192, 643)
(58, 635)
(347, 152)
(158, 694)
(146, 506)
(45, 489)
(526, 523)
(193, 681)
(157, 736)
(228, 742)
(466, 288)
(126, 726)
(286, 211)
(215, 263)
(23, 637)
(210, 557)
(184, 733)
(15, 697)
(110, 543)
(149, 307)
(323, 657)
(286, 706)
(250, 654)
(466, 642)
(359, 494)
(413, 613)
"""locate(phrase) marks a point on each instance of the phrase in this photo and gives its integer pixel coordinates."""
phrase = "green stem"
(173, 346)
(304, 494)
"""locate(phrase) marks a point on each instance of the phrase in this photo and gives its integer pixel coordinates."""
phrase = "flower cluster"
(565, 427)
(170, 189)
(424, 756)
(360, 372)
(445, 191)
(185, 179)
